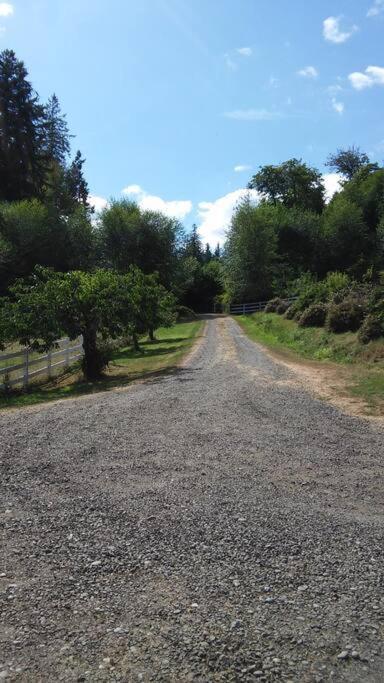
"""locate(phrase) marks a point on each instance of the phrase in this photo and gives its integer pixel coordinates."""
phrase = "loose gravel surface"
(217, 524)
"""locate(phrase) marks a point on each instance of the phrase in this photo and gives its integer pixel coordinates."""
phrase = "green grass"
(127, 365)
(365, 361)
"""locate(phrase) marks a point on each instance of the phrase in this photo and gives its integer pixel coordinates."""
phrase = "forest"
(66, 269)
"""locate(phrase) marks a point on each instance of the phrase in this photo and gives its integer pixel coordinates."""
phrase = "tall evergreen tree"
(22, 164)
(56, 132)
(193, 246)
(76, 183)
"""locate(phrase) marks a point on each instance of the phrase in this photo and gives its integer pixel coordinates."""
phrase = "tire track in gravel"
(215, 524)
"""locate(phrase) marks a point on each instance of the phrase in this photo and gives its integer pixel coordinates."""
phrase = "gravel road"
(216, 524)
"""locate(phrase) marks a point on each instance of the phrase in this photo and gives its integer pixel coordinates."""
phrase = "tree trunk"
(135, 342)
(93, 362)
(151, 334)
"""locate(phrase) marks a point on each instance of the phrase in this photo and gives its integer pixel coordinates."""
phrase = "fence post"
(67, 342)
(26, 363)
(49, 363)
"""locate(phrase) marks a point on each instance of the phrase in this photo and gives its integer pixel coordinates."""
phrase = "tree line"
(65, 270)
(293, 230)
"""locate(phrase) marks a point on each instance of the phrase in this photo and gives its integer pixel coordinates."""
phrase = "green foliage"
(251, 252)
(313, 316)
(98, 305)
(146, 239)
(346, 316)
(282, 308)
(292, 183)
(32, 234)
(22, 163)
(347, 162)
(273, 305)
(372, 328)
(347, 236)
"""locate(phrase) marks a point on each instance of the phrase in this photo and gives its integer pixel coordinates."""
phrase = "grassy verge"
(126, 366)
(364, 362)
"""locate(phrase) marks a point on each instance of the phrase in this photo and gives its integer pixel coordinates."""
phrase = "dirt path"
(218, 524)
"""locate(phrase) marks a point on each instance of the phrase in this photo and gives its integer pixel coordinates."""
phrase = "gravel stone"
(143, 523)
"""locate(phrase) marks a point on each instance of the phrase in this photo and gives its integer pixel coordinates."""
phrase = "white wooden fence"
(27, 365)
(242, 309)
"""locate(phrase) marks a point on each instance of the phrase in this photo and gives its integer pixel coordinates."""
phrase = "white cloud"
(333, 33)
(98, 203)
(216, 216)
(377, 8)
(240, 168)
(245, 51)
(253, 115)
(6, 9)
(231, 65)
(175, 208)
(338, 106)
(373, 75)
(308, 72)
(332, 184)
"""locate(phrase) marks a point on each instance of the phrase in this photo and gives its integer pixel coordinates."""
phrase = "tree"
(96, 305)
(347, 236)
(193, 246)
(348, 161)
(293, 183)
(22, 159)
(207, 257)
(36, 234)
(146, 239)
(75, 181)
(157, 306)
(56, 132)
(251, 252)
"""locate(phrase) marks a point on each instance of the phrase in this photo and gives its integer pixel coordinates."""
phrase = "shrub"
(282, 308)
(290, 312)
(313, 316)
(372, 328)
(272, 305)
(345, 316)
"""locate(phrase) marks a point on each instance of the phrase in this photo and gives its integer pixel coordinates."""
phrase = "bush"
(372, 328)
(283, 307)
(290, 312)
(313, 316)
(273, 305)
(345, 316)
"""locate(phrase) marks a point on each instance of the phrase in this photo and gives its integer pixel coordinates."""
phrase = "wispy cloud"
(373, 75)
(6, 9)
(308, 72)
(241, 168)
(253, 115)
(216, 216)
(337, 106)
(229, 62)
(244, 51)
(377, 8)
(175, 208)
(333, 33)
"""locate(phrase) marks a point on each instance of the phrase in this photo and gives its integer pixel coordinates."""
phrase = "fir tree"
(76, 183)
(22, 167)
(56, 132)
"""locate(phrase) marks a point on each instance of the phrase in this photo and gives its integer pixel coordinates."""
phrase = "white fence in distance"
(243, 309)
(21, 371)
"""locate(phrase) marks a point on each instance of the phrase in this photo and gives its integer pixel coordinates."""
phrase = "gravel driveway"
(217, 524)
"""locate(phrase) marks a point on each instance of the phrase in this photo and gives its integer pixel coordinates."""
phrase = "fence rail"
(49, 363)
(255, 307)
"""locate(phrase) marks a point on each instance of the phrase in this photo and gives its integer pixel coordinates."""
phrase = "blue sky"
(168, 97)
